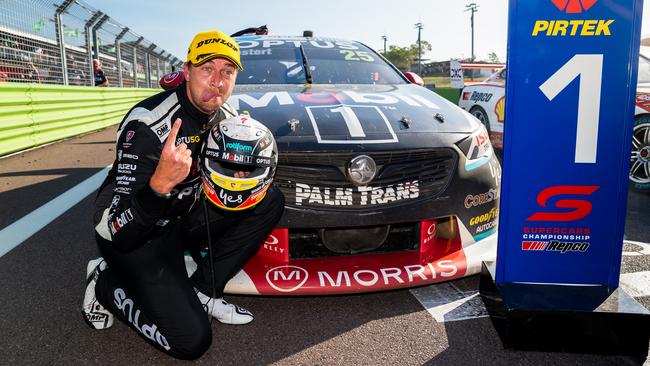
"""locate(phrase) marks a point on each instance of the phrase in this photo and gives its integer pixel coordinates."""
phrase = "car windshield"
(330, 61)
(644, 70)
(497, 77)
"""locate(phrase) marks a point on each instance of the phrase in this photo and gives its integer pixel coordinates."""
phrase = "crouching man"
(169, 187)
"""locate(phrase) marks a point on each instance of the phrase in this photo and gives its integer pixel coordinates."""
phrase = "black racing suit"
(142, 235)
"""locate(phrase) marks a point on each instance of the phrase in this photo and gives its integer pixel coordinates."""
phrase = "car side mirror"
(414, 78)
(171, 80)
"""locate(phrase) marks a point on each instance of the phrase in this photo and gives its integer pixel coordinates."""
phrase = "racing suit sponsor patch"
(150, 331)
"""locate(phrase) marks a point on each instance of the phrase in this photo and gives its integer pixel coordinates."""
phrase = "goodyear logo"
(573, 28)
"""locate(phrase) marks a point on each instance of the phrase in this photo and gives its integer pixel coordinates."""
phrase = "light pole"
(473, 8)
(385, 39)
(419, 27)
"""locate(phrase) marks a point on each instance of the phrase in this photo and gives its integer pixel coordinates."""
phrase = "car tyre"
(640, 156)
(480, 114)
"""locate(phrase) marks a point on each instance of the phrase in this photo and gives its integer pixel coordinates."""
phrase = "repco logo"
(481, 97)
(581, 207)
(286, 278)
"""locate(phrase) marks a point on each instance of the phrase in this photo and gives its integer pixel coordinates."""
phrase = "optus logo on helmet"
(573, 27)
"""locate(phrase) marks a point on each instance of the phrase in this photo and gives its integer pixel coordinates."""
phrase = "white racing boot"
(95, 315)
(223, 311)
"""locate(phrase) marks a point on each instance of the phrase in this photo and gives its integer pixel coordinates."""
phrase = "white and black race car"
(387, 184)
(486, 101)
(640, 159)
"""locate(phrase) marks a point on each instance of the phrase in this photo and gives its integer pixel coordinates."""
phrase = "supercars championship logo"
(572, 27)
(551, 238)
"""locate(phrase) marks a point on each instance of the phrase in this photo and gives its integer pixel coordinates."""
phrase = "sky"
(171, 24)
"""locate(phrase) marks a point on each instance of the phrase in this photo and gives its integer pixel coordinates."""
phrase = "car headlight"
(477, 148)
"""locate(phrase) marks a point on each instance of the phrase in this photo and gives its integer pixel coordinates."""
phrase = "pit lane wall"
(32, 114)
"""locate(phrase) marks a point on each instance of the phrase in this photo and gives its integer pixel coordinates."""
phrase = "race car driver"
(149, 207)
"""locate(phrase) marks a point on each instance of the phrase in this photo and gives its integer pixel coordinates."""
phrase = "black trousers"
(148, 288)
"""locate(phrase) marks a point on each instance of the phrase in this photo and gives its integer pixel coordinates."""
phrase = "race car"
(387, 185)
(486, 101)
(640, 158)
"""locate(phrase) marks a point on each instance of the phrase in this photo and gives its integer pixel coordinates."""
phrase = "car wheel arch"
(486, 119)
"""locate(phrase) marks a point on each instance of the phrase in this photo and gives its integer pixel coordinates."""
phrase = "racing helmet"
(238, 163)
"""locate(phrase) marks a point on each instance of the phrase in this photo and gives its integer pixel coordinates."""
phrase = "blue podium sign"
(572, 67)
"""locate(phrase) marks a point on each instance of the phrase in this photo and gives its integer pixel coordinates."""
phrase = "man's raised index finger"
(171, 139)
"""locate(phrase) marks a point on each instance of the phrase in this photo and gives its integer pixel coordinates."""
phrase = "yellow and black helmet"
(238, 163)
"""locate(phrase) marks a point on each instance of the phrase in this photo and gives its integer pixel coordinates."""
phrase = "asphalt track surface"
(42, 284)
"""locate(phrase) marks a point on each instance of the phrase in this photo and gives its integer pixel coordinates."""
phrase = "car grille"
(307, 243)
(432, 168)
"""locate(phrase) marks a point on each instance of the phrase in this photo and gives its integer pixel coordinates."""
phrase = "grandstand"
(54, 42)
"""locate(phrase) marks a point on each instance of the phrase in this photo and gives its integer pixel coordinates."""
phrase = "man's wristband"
(161, 195)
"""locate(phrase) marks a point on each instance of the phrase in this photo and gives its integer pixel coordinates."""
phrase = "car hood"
(351, 114)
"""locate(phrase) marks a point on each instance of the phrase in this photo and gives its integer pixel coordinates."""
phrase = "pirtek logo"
(574, 27)
(574, 6)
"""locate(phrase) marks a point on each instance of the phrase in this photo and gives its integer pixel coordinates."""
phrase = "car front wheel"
(640, 158)
(480, 114)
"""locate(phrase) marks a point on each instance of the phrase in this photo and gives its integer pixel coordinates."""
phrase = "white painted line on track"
(645, 248)
(447, 303)
(21, 230)
(637, 284)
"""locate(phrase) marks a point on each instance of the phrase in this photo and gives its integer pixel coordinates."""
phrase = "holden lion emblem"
(361, 170)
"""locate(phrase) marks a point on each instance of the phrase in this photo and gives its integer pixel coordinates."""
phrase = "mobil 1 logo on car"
(571, 87)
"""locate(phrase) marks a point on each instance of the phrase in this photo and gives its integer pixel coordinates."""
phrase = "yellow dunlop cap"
(210, 44)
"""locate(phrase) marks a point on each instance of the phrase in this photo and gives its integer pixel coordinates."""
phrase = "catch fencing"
(55, 41)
